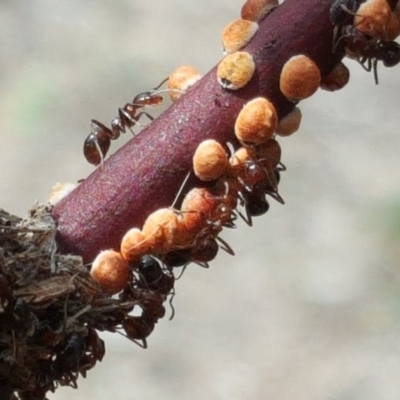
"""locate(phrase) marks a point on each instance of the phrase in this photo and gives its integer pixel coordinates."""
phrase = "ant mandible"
(98, 141)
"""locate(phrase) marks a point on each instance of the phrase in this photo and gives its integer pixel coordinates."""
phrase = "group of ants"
(155, 281)
(367, 50)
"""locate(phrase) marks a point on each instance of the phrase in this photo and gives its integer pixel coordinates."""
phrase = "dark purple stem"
(147, 172)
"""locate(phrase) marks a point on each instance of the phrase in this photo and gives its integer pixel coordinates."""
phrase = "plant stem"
(148, 171)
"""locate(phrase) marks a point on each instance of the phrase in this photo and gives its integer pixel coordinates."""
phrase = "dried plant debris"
(50, 310)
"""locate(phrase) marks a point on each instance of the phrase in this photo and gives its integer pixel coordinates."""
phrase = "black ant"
(154, 277)
(153, 286)
(71, 354)
(139, 328)
(148, 300)
(99, 139)
(368, 51)
(387, 52)
(342, 13)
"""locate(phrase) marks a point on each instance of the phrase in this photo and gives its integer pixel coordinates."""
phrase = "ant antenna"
(160, 84)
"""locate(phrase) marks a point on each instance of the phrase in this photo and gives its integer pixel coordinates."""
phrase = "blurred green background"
(309, 307)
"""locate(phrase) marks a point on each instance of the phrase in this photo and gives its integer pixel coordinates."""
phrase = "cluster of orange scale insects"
(237, 184)
(142, 271)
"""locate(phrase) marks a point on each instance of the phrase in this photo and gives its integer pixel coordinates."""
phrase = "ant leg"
(345, 8)
(181, 273)
(202, 264)
(372, 65)
(375, 68)
(335, 33)
(335, 43)
(273, 190)
(230, 224)
(246, 218)
(276, 196)
(172, 307)
(225, 246)
(362, 61)
(281, 167)
(129, 121)
(150, 117)
(143, 345)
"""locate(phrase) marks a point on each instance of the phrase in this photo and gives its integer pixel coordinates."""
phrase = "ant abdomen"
(97, 143)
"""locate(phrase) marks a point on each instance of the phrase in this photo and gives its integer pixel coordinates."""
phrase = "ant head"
(390, 54)
(149, 264)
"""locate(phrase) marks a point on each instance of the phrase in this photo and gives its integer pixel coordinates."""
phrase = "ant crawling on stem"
(98, 141)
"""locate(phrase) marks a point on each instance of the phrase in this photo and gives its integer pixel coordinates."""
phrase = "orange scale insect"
(164, 230)
(337, 78)
(237, 34)
(257, 10)
(256, 122)
(375, 18)
(181, 80)
(110, 271)
(236, 70)
(134, 245)
(210, 160)
(300, 78)
(290, 123)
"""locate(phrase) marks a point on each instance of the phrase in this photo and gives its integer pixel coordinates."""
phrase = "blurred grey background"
(309, 307)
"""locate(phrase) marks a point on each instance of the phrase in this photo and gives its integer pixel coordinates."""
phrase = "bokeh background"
(309, 307)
